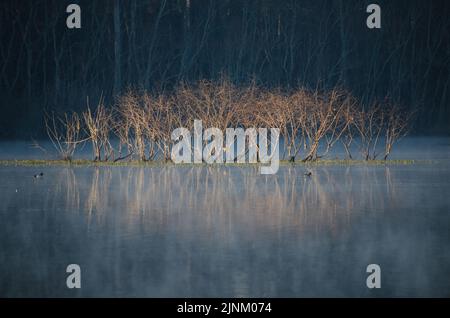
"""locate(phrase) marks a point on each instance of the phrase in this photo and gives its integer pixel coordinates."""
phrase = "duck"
(308, 174)
(39, 175)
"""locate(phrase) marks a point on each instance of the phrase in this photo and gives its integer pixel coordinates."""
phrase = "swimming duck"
(308, 174)
(39, 175)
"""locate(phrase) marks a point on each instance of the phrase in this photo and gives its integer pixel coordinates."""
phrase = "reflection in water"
(225, 231)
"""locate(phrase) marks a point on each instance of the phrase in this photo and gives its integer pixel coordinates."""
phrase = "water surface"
(225, 231)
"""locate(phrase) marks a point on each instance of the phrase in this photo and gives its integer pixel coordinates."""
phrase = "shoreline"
(161, 163)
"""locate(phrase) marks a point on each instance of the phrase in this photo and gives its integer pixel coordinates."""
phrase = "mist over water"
(415, 148)
(180, 231)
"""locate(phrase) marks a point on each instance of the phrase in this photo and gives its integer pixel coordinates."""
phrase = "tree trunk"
(117, 48)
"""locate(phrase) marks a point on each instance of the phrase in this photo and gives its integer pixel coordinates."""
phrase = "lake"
(227, 231)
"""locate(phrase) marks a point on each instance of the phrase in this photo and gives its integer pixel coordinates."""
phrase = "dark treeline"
(155, 44)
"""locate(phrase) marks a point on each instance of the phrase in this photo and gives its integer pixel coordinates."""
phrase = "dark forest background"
(155, 44)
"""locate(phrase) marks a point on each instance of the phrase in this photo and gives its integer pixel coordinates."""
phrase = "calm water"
(226, 231)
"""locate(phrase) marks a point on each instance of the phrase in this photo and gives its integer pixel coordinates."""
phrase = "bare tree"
(98, 125)
(369, 124)
(397, 126)
(323, 116)
(64, 132)
(117, 48)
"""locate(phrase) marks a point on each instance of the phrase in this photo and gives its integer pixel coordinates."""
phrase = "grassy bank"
(84, 162)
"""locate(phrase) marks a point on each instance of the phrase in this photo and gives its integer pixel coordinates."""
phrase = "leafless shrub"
(216, 104)
(397, 126)
(158, 124)
(64, 132)
(213, 103)
(323, 112)
(295, 112)
(98, 125)
(369, 124)
(311, 122)
(121, 129)
(344, 105)
(348, 116)
(133, 116)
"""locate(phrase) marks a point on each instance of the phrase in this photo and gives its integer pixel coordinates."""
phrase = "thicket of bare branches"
(97, 125)
(64, 133)
(311, 122)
